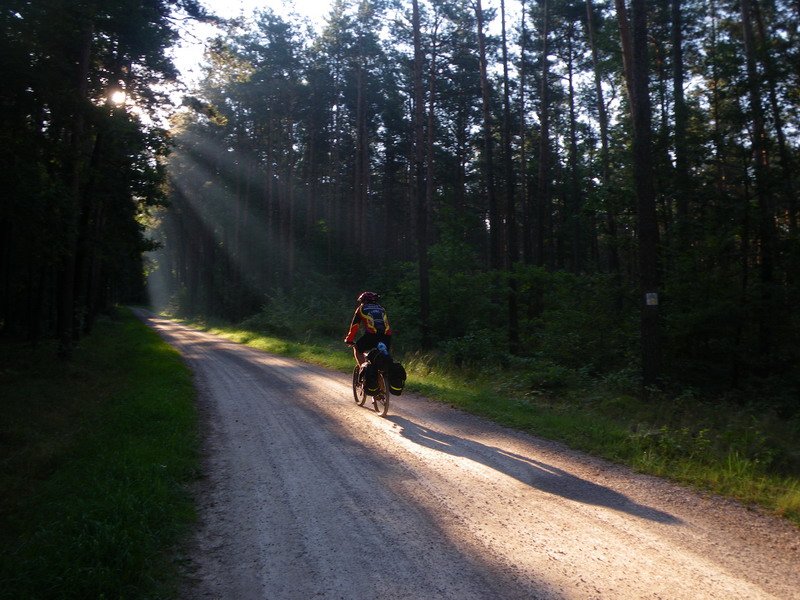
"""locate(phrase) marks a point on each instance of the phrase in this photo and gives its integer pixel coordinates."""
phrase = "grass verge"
(723, 449)
(96, 453)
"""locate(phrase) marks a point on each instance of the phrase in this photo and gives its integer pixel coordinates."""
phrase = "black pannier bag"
(397, 378)
(369, 375)
(379, 359)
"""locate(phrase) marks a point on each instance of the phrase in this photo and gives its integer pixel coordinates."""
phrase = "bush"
(573, 321)
(472, 350)
(311, 312)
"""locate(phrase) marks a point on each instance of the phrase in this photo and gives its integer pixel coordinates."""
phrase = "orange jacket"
(373, 317)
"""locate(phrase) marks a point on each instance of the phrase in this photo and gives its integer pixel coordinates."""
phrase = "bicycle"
(380, 401)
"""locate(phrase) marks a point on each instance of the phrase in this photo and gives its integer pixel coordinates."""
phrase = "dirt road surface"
(308, 496)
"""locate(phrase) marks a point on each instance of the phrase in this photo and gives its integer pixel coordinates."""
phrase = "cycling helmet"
(368, 297)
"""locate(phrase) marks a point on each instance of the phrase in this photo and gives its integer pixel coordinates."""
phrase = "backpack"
(377, 314)
(397, 378)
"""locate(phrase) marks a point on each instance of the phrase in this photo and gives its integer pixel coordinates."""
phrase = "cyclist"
(372, 316)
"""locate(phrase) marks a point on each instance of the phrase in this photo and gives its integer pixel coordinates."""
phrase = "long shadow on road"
(531, 472)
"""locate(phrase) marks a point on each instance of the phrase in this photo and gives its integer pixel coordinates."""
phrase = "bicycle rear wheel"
(358, 388)
(380, 401)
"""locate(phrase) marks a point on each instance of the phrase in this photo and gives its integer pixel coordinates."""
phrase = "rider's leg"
(359, 356)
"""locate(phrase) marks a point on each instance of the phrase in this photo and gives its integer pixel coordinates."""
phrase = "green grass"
(318, 354)
(714, 446)
(97, 453)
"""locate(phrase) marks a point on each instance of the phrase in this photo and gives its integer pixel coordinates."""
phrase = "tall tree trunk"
(495, 216)
(462, 157)
(681, 120)
(605, 168)
(543, 199)
(419, 187)
(270, 206)
(766, 213)
(785, 155)
(510, 189)
(66, 326)
(720, 161)
(289, 232)
(361, 164)
(527, 221)
(575, 199)
(634, 51)
(430, 180)
(90, 232)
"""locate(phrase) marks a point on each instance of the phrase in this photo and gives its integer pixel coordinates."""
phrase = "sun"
(119, 97)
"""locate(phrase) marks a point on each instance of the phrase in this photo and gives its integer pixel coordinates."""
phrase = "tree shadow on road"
(534, 473)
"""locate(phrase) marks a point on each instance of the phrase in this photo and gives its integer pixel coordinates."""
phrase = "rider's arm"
(351, 335)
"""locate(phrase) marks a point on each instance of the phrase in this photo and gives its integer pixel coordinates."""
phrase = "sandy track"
(306, 495)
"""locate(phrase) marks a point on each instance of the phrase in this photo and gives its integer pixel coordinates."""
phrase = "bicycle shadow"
(536, 474)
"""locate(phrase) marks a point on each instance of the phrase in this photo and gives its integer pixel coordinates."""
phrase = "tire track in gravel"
(306, 495)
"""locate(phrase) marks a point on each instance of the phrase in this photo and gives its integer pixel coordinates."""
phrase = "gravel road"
(306, 496)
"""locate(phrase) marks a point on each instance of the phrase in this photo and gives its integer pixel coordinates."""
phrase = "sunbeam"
(238, 218)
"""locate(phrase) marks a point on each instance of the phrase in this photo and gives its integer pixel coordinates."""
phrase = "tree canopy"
(568, 167)
(609, 185)
(80, 160)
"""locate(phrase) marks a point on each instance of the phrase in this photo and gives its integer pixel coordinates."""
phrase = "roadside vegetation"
(744, 444)
(96, 454)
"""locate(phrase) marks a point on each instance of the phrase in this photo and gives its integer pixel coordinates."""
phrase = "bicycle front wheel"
(358, 389)
(380, 401)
